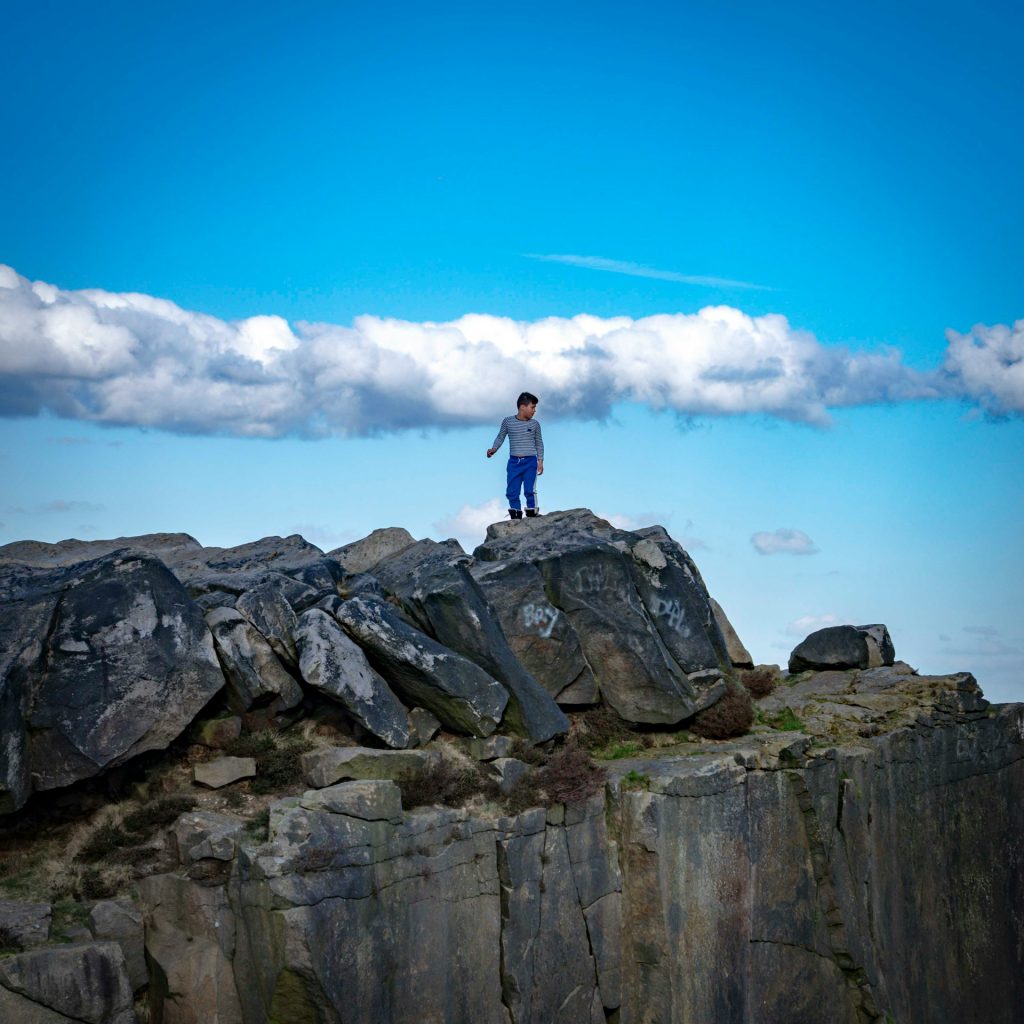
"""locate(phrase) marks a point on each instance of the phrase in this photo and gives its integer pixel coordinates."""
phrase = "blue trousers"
(522, 472)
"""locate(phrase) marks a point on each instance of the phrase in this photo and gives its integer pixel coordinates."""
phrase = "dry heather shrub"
(730, 715)
(569, 777)
(759, 681)
(448, 780)
(601, 727)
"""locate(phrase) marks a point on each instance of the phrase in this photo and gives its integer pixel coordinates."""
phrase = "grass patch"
(616, 751)
(785, 720)
(569, 777)
(259, 826)
(599, 728)
(636, 780)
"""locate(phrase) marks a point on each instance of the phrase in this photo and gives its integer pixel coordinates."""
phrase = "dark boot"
(515, 513)
(532, 513)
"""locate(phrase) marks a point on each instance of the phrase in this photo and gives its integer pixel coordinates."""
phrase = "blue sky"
(246, 224)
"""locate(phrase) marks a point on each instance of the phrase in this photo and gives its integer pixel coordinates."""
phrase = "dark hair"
(526, 399)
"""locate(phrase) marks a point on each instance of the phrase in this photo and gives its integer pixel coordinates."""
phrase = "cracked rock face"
(771, 877)
(632, 604)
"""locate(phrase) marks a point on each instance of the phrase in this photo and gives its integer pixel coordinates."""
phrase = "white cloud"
(469, 525)
(138, 360)
(783, 541)
(808, 624)
(639, 270)
(986, 365)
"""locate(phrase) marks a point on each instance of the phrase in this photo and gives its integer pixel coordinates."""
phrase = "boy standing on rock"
(525, 455)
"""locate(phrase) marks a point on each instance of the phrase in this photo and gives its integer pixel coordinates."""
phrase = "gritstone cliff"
(396, 782)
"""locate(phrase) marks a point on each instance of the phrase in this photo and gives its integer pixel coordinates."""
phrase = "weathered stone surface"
(332, 664)
(190, 941)
(509, 771)
(673, 592)
(205, 835)
(121, 921)
(739, 656)
(842, 647)
(433, 584)
(329, 765)
(540, 636)
(83, 982)
(218, 732)
(268, 609)
(254, 673)
(462, 695)
(333, 905)
(424, 725)
(363, 555)
(490, 747)
(223, 771)
(118, 661)
(368, 799)
(25, 925)
(593, 578)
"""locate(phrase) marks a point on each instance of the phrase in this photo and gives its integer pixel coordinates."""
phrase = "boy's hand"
(540, 468)
(491, 451)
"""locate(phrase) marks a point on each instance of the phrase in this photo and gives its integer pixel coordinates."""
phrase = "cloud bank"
(132, 359)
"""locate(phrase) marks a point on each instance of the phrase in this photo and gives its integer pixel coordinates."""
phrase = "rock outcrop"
(855, 858)
(772, 877)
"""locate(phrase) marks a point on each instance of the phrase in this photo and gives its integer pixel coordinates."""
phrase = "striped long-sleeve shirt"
(524, 437)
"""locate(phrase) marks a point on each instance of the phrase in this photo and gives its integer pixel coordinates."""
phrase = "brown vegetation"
(731, 715)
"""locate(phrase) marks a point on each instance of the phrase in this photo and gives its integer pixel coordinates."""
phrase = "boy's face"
(526, 411)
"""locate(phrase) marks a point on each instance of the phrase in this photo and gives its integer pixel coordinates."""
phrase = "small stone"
(423, 725)
(224, 771)
(487, 748)
(509, 771)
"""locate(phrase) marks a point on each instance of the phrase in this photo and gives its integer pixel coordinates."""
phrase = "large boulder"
(635, 602)
(101, 661)
(540, 636)
(23, 925)
(85, 982)
(363, 555)
(335, 666)
(255, 675)
(843, 647)
(460, 693)
(433, 584)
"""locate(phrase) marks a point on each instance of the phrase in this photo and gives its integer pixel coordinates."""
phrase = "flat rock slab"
(458, 691)
(366, 799)
(333, 664)
(325, 767)
(25, 924)
(224, 771)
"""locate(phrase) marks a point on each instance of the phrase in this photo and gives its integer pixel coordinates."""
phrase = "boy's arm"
(540, 451)
(497, 441)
